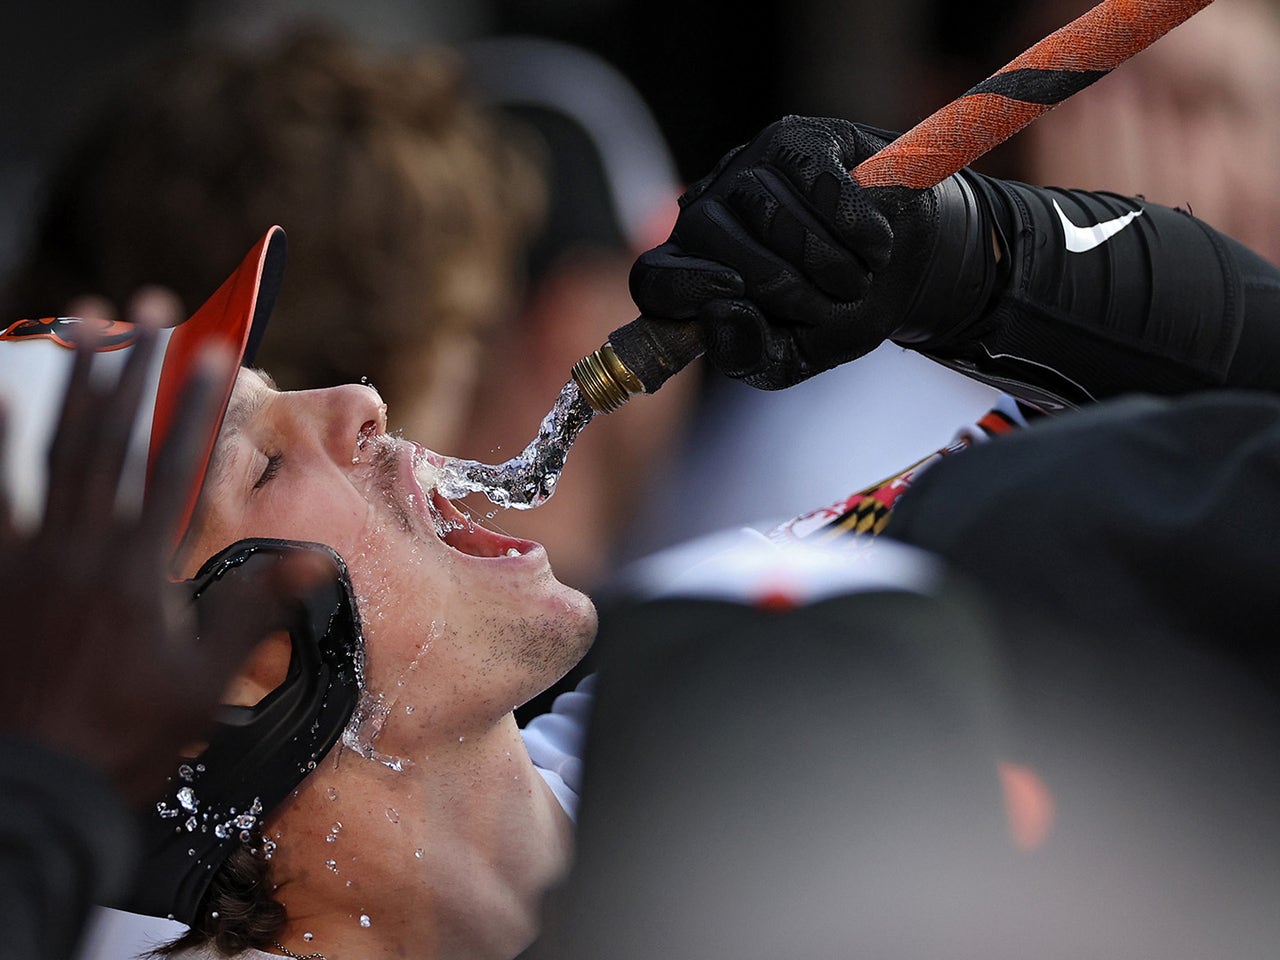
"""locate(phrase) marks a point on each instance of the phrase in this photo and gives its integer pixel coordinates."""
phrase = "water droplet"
(332, 865)
(192, 824)
(214, 914)
(418, 853)
(331, 793)
(187, 797)
(186, 773)
(308, 936)
(393, 815)
(364, 920)
(222, 831)
(408, 708)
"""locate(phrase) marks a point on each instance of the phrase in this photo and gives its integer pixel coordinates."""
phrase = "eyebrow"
(234, 421)
(241, 413)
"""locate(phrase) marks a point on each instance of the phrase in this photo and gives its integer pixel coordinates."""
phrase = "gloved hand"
(791, 266)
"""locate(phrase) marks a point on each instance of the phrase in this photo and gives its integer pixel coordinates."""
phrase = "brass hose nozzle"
(638, 358)
(605, 381)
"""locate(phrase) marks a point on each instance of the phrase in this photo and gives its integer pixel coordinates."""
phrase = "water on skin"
(528, 480)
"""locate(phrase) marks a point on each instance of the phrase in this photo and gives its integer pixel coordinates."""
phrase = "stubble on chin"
(543, 647)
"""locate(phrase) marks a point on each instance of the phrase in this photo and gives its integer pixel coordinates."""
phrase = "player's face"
(461, 623)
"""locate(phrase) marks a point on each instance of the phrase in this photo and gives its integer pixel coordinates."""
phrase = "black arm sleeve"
(66, 842)
(1101, 294)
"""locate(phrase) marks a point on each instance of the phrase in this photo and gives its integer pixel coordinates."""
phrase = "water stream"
(528, 480)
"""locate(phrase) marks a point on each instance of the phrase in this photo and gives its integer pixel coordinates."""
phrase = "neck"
(447, 858)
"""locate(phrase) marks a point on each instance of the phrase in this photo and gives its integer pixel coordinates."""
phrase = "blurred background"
(1191, 122)
(712, 72)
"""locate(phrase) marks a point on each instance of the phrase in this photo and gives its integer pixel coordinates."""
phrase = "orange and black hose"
(1063, 63)
(645, 353)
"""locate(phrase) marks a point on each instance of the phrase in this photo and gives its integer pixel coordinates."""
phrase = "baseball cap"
(36, 357)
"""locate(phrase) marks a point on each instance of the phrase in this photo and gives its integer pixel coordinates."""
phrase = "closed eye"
(269, 473)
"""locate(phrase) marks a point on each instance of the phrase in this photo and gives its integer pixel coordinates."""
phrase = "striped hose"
(1063, 63)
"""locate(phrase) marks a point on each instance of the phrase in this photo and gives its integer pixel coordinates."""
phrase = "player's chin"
(575, 613)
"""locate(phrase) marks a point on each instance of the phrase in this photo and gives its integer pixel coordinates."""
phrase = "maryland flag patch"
(862, 515)
(112, 334)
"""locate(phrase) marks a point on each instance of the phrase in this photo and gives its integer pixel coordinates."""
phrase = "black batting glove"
(790, 266)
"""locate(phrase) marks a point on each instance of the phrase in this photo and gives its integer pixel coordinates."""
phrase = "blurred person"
(410, 203)
(112, 668)
(465, 220)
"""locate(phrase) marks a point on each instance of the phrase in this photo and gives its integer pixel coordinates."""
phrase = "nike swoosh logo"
(1083, 239)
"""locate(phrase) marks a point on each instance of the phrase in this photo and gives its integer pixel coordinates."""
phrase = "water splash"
(528, 480)
(366, 723)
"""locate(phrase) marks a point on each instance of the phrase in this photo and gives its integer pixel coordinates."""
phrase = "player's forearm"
(1100, 294)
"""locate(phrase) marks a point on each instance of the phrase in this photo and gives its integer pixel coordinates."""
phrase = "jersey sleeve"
(1101, 294)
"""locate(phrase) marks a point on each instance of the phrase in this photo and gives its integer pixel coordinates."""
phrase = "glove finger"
(743, 345)
(814, 156)
(666, 282)
(853, 216)
(845, 336)
(772, 282)
(767, 206)
(783, 365)
(735, 337)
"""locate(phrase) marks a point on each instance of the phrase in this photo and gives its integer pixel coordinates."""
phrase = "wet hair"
(408, 205)
(239, 911)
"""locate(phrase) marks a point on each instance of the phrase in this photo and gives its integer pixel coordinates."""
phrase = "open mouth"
(466, 536)
(457, 530)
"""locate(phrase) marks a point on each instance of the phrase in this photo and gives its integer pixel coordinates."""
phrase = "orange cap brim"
(234, 317)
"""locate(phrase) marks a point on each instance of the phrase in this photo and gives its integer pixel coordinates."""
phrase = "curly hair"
(239, 911)
(408, 206)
